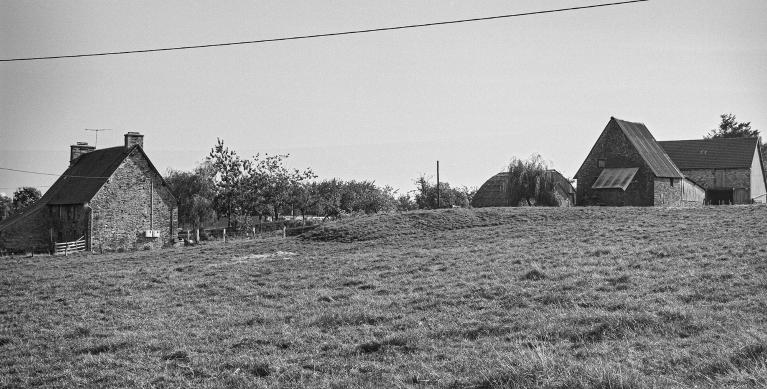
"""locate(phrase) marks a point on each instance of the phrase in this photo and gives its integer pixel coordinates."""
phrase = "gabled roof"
(83, 179)
(643, 141)
(639, 136)
(718, 153)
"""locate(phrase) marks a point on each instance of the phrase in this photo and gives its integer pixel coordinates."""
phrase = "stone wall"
(618, 152)
(681, 193)
(122, 211)
(30, 233)
(720, 178)
(667, 194)
(738, 179)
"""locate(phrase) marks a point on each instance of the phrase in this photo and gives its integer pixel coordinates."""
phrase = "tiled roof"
(654, 155)
(84, 178)
(79, 183)
(718, 153)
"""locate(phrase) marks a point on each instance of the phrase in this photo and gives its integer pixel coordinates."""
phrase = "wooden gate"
(67, 248)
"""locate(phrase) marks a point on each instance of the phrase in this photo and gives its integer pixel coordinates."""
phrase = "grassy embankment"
(560, 298)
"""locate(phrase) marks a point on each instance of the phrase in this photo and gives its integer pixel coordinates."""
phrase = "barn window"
(672, 181)
(601, 163)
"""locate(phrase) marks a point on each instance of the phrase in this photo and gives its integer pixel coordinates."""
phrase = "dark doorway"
(719, 196)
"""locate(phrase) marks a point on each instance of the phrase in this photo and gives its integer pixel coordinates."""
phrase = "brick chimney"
(79, 149)
(134, 138)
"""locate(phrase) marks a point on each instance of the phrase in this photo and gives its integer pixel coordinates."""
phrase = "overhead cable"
(324, 35)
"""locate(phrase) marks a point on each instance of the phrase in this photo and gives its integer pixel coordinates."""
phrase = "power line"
(324, 35)
(48, 174)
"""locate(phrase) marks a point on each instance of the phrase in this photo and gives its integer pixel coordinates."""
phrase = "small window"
(601, 163)
(672, 181)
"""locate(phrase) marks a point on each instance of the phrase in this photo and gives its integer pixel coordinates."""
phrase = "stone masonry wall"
(618, 152)
(711, 178)
(28, 234)
(122, 212)
(667, 195)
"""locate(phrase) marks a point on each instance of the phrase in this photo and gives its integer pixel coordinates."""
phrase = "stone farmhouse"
(627, 166)
(114, 198)
(495, 191)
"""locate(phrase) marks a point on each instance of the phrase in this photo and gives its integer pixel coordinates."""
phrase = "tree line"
(263, 187)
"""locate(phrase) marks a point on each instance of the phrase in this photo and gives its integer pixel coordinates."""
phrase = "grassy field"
(542, 298)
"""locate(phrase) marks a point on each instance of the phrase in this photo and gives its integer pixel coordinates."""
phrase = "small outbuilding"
(113, 199)
(495, 192)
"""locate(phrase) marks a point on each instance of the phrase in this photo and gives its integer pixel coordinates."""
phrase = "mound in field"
(378, 226)
(427, 222)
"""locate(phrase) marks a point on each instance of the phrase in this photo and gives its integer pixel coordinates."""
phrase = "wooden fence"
(67, 248)
(285, 228)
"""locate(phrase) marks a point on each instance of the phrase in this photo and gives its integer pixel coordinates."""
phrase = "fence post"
(284, 231)
(66, 249)
(254, 232)
(197, 238)
(224, 235)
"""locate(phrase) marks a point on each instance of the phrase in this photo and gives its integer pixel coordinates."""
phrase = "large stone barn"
(113, 198)
(730, 169)
(495, 191)
(627, 166)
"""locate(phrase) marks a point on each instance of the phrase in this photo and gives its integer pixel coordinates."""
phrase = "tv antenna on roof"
(97, 130)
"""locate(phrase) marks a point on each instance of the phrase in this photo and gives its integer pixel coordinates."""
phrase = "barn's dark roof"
(719, 153)
(654, 155)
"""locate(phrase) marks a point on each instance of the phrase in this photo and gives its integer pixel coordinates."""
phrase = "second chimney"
(79, 149)
(134, 138)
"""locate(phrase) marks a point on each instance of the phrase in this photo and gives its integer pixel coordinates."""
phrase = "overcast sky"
(380, 106)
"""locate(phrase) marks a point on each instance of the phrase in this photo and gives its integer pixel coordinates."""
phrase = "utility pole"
(438, 202)
(97, 130)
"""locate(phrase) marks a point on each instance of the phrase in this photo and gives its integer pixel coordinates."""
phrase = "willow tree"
(530, 181)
